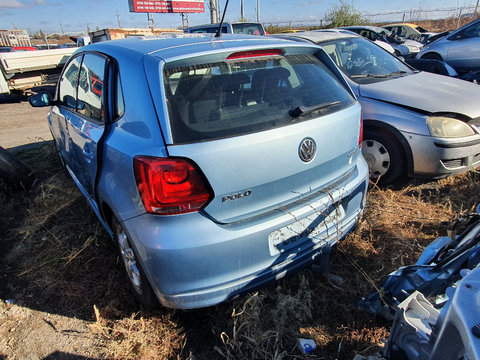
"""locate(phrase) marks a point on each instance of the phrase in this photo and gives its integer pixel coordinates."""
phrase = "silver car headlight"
(445, 127)
(413, 48)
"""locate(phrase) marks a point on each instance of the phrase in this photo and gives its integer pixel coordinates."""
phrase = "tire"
(432, 56)
(384, 155)
(139, 285)
(13, 173)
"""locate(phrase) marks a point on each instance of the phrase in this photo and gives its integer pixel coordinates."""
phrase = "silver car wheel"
(130, 261)
(377, 157)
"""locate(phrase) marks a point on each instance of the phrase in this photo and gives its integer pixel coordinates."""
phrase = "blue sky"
(78, 16)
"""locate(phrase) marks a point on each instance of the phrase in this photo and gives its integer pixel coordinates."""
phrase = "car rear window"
(235, 97)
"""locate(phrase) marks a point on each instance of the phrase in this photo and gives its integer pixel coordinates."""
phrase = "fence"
(459, 14)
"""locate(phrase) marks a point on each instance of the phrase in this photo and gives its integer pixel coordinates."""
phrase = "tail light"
(360, 135)
(254, 53)
(170, 186)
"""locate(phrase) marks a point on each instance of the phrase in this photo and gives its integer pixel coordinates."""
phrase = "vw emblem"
(307, 149)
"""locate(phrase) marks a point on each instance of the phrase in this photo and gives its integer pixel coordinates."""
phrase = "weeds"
(137, 337)
(58, 259)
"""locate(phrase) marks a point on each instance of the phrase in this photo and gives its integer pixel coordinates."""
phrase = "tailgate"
(257, 173)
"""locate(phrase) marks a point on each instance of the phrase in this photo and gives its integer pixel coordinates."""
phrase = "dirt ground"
(20, 123)
(63, 293)
(27, 333)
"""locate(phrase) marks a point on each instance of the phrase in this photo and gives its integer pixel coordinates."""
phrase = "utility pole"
(219, 11)
(242, 11)
(61, 27)
(476, 9)
(185, 18)
(151, 22)
(213, 11)
(118, 19)
(258, 11)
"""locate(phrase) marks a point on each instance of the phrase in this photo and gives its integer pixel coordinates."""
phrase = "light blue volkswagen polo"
(217, 165)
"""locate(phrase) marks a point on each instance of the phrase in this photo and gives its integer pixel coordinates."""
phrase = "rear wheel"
(141, 289)
(384, 156)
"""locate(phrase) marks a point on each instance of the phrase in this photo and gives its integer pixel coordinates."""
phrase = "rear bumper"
(435, 157)
(194, 262)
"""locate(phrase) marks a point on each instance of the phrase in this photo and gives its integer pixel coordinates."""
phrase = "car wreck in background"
(407, 48)
(460, 49)
(435, 303)
(412, 31)
(415, 123)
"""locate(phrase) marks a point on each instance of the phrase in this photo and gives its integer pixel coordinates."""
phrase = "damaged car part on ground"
(243, 165)
(434, 303)
(422, 332)
(415, 123)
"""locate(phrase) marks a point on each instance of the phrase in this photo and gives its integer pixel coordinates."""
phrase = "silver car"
(415, 123)
(403, 47)
(460, 49)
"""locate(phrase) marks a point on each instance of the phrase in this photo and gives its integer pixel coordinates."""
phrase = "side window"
(472, 31)
(90, 89)
(67, 93)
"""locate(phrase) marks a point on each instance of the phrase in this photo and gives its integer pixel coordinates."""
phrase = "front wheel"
(384, 156)
(141, 289)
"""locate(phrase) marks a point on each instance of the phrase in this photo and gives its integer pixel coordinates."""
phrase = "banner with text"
(167, 6)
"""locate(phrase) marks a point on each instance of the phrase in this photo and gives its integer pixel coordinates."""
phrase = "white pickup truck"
(22, 70)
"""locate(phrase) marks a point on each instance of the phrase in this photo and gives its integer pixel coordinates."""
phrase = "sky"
(73, 17)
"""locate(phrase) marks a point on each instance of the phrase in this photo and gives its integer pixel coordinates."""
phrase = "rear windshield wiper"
(302, 111)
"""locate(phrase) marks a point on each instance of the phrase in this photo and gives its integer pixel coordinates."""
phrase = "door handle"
(87, 154)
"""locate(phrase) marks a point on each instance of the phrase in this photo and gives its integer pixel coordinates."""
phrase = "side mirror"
(80, 105)
(41, 99)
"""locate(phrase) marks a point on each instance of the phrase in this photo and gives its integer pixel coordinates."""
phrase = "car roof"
(403, 24)
(366, 27)
(318, 36)
(169, 47)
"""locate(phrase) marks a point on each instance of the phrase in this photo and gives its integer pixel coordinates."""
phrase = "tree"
(344, 14)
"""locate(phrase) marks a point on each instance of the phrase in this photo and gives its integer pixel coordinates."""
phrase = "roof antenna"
(219, 31)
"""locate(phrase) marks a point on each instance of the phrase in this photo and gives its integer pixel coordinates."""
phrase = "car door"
(86, 125)
(464, 51)
(65, 108)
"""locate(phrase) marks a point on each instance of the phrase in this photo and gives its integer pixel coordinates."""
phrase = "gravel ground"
(20, 123)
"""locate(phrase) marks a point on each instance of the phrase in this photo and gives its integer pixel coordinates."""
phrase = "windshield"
(222, 99)
(363, 61)
(248, 29)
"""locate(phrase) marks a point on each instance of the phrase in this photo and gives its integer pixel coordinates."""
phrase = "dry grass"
(137, 337)
(58, 259)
